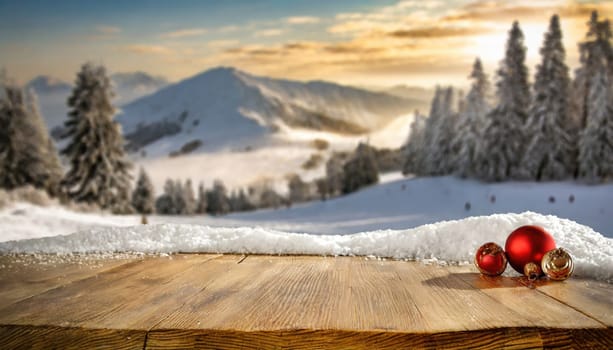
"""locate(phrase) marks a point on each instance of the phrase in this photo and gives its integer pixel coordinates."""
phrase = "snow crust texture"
(446, 242)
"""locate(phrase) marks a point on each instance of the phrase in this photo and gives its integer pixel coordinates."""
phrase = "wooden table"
(232, 301)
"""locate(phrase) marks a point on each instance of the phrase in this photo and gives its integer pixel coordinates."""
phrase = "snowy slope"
(386, 206)
(451, 241)
(224, 108)
(417, 201)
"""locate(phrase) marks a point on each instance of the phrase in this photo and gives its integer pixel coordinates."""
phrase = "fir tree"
(217, 199)
(143, 197)
(244, 203)
(335, 174)
(550, 154)
(415, 146)
(165, 204)
(596, 142)
(269, 198)
(179, 198)
(189, 198)
(596, 46)
(471, 121)
(201, 204)
(99, 169)
(27, 156)
(361, 170)
(299, 191)
(430, 136)
(441, 157)
(502, 139)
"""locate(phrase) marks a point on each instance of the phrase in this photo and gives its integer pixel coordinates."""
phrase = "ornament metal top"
(557, 264)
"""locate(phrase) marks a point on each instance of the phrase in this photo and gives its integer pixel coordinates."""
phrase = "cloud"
(184, 33)
(107, 30)
(148, 49)
(437, 32)
(302, 20)
(216, 44)
(498, 10)
(268, 32)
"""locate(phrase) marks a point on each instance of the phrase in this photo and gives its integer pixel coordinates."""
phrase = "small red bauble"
(490, 259)
(528, 244)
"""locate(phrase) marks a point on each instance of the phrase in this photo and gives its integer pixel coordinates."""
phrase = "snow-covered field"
(419, 218)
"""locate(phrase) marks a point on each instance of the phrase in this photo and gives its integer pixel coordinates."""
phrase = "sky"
(358, 42)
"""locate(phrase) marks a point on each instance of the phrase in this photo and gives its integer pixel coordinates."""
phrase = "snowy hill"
(225, 107)
(53, 93)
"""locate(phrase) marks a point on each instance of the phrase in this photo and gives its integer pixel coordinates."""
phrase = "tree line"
(554, 129)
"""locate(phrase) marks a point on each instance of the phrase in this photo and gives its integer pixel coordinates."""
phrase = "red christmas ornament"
(490, 259)
(528, 244)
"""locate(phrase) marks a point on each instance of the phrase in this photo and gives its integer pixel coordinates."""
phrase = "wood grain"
(507, 338)
(53, 337)
(22, 276)
(229, 301)
(592, 298)
(134, 295)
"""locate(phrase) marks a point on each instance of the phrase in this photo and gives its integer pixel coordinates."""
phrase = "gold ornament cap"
(532, 271)
(558, 264)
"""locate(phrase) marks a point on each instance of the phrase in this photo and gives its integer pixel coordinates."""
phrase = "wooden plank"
(22, 276)
(211, 301)
(538, 308)
(507, 338)
(272, 296)
(592, 298)
(53, 337)
(132, 296)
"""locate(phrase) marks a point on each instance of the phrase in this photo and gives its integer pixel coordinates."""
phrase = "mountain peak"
(48, 84)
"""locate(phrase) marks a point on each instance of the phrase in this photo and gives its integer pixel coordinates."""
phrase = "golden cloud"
(148, 49)
(437, 32)
(302, 20)
(268, 32)
(183, 33)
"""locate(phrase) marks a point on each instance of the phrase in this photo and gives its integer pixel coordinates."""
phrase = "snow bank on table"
(448, 241)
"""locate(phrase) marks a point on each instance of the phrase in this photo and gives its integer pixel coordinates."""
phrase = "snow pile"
(444, 242)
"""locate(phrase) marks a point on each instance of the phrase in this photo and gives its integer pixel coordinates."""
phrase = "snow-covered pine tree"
(334, 174)
(165, 203)
(25, 154)
(189, 198)
(550, 154)
(201, 204)
(415, 146)
(299, 191)
(99, 169)
(471, 121)
(143, 197)
(52, 161)
(502, 139)
(244, 203)
(596, 140)
(596, 44)
(441, 154)
(178, 197)
(431, 130)
(217, 199)
(361, 170)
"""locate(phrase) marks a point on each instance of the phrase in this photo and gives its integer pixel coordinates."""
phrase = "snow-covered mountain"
(53, 92)
(225, 107)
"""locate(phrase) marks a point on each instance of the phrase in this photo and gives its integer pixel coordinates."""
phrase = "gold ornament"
(532, 271)
(557, 264)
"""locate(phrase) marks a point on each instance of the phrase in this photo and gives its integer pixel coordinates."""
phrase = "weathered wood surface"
(231, 301)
